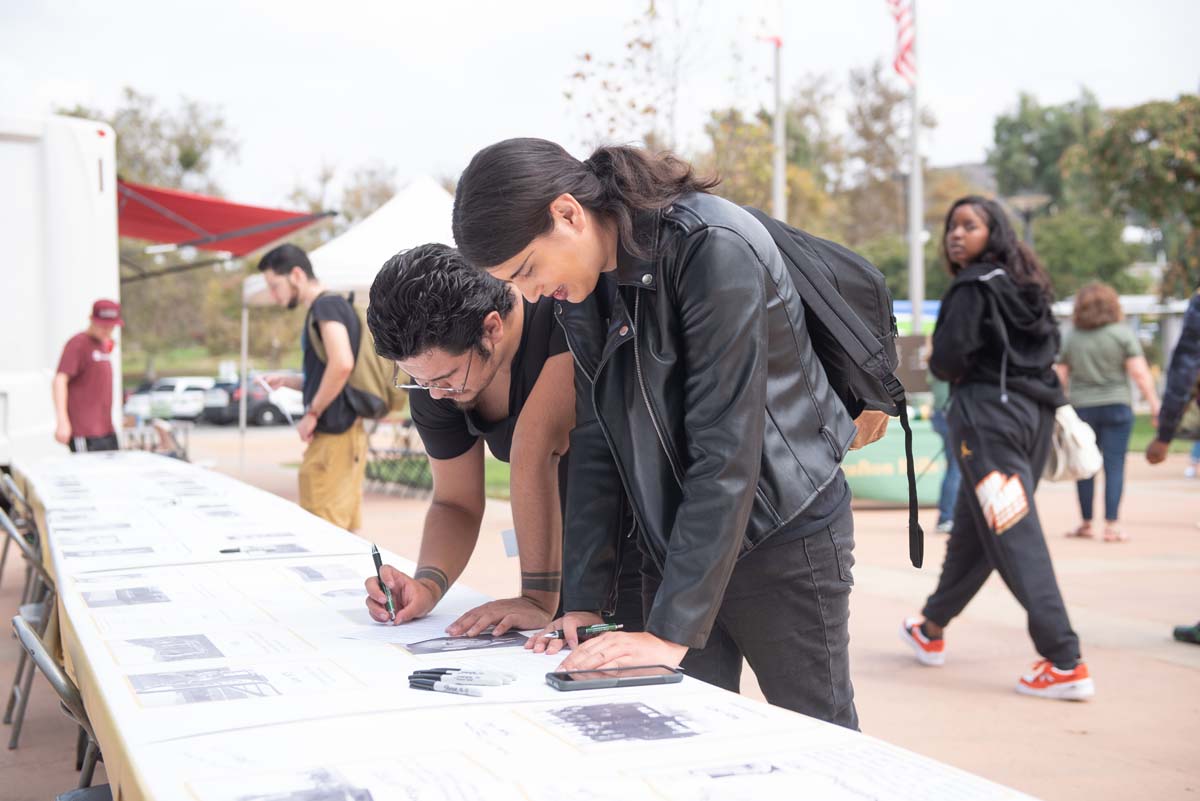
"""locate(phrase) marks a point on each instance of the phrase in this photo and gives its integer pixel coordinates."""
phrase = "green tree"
(890, 255)
(1029, 143)
(175, 148)
(740, 153)
(172, 148)
(877, 147)
(1146, 163)
(1077, 246)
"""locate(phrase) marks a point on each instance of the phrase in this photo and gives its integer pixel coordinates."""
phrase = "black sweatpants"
(1002, 449)
(787, 610)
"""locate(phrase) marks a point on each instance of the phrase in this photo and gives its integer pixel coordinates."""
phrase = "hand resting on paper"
(624, 649)
(505, 614)
(412, 598)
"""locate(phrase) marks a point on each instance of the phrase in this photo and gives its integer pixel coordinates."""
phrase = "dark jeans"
(787, 610)
(952, 477)
(105, 443)
(1112, 423)
(1001, 449)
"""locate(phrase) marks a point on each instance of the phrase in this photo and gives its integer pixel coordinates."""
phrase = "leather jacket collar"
(636, 271)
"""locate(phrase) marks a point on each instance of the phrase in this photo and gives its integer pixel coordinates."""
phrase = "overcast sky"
(421, 86)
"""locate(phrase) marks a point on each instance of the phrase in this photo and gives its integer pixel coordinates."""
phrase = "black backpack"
(853, 332)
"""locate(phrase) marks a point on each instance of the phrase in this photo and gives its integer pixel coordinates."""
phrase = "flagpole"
(779, 131)
(916, 194)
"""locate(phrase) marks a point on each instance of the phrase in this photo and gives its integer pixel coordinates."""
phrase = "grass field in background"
(198, 361)
(1143, 432)
(495, 477)
(191, 361)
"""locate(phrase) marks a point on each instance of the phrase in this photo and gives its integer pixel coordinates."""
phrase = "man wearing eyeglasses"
(335, 459)
(486, 366)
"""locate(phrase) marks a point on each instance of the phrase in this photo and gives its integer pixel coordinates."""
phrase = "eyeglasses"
(427, 387)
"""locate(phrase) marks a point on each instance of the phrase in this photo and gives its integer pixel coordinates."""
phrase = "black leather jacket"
(698, 390)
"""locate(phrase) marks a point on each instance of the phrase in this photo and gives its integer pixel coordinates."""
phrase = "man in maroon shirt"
(83, 384)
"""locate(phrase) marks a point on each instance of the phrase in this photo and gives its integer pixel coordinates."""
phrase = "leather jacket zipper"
(612, 451)
(637, 365)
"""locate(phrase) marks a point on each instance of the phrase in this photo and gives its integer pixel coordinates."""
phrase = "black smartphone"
(613, 677)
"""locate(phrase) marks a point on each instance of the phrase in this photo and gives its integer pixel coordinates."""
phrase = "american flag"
(905, 62)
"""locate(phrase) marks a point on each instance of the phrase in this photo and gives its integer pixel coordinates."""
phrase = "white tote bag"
(1074, 455)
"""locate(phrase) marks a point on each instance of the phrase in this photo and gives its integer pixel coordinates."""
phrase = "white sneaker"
(1189, 471)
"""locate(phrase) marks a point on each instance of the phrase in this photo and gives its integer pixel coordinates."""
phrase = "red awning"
(170, 216)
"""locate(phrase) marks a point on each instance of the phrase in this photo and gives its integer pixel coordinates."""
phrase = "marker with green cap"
(586, 632)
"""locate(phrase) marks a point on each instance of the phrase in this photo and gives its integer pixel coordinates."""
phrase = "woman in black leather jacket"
(996, 341)
(698, 392)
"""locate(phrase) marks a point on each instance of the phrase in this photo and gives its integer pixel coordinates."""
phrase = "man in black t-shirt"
(486, 366)
(334, 463)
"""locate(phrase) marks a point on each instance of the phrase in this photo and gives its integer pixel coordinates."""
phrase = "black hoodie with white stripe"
(991, 330)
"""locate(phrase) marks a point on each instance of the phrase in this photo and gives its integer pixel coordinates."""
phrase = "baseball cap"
(107, 311)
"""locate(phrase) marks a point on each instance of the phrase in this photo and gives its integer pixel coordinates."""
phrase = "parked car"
(264, 406)
(178, 397)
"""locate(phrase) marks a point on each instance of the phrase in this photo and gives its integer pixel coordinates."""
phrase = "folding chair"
(22, 514)
(41, 615)
(68, 694)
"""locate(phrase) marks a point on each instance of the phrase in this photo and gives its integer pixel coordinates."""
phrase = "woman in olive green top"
(1098, 359)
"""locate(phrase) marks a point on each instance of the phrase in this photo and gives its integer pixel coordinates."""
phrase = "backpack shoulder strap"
(314, 327)
(823, 299)
(313, 334)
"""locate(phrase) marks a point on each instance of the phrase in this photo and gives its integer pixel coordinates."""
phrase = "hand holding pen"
(409, 599)
(584, 633)
(564, 632)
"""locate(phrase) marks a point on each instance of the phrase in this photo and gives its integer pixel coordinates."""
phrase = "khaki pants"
(331, 476)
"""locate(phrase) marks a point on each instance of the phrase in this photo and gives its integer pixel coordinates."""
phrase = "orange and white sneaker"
(928, 652)
(1047, 681)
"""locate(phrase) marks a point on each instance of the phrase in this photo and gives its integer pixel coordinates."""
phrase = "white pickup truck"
(179, 397)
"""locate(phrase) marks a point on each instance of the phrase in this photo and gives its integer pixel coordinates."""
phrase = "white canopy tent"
(418, 213)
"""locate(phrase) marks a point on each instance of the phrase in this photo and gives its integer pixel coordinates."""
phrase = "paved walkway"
(1136, 739)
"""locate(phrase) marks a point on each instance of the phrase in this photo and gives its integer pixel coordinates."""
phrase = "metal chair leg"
(28, 585)
(89, 764)
(15, 692)
(4, 557)
(22, 703)
(81, 745)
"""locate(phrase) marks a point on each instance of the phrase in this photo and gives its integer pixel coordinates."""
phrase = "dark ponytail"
(502, 202)
(1003, 248)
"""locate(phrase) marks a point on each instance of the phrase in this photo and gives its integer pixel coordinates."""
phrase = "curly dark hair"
(1097, 304)
(428, 297)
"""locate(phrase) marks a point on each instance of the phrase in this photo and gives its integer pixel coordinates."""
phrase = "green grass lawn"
(190, 361)
(495, 477)
(1143, 432)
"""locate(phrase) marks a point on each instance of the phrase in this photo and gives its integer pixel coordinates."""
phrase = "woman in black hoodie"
(996, 342)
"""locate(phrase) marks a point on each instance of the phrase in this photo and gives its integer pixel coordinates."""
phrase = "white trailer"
(58, 228)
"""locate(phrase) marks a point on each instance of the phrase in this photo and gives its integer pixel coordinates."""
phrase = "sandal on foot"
(1083, 532)
(1114, 534)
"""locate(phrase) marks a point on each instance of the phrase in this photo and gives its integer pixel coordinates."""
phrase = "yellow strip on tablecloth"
(123, 779)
